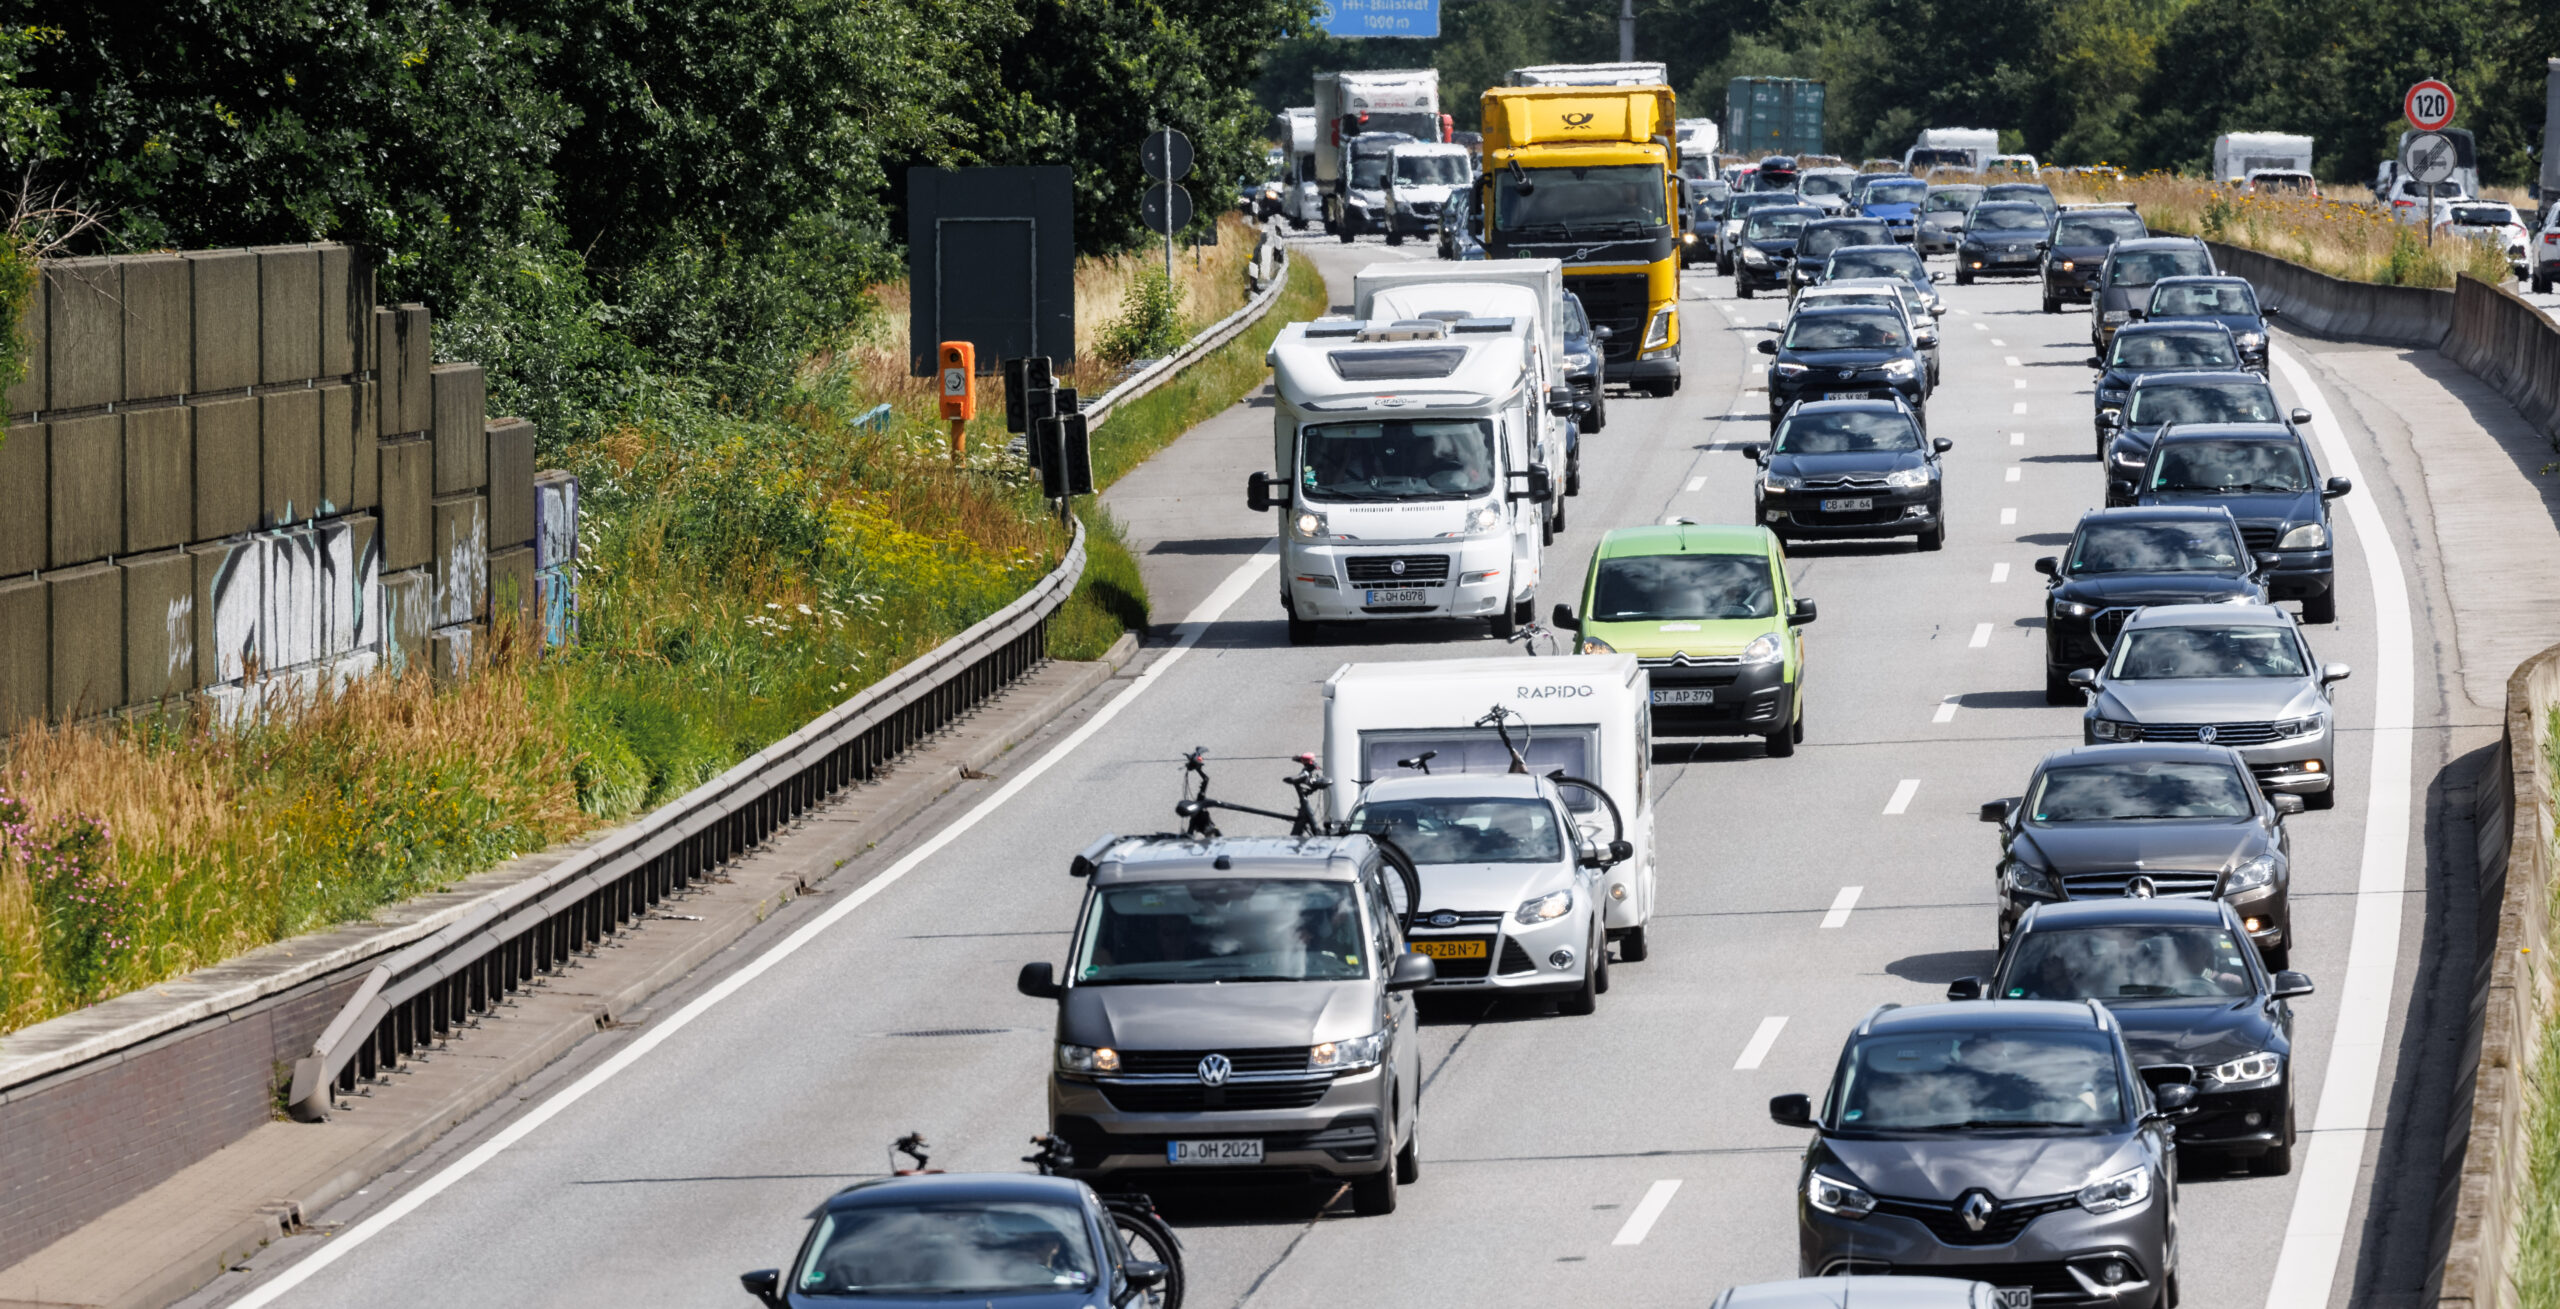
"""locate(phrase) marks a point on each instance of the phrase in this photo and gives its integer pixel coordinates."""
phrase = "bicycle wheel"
(1148, 1240)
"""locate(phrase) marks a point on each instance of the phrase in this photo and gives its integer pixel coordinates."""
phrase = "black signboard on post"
(991, 260)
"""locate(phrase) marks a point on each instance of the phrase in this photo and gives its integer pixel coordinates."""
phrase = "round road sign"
(1165, 208)
(2429, 105)
(2430, 158)
(1165, 154)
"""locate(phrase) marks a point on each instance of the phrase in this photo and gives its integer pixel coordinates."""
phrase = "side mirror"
(1542, 488)
(1621, 851)
(2266, 311)
(2333, 673)
(2110, 418)
(1411, 972)
(2337, 486)
(2287, 804)
(1601, 333)
(1938, 277)
(764, 1284)
(2173, 1097)
(2299, 417)
(2290, 984)
(1936, 311)
(1039, 981)
(1142, 1275)
(2266, 560)
(2050, 566)
(1802, 614)
(1767, 347)
(1751, 451)
(2097, 363)
(1562, 403)
(1965, 988)
(2084, 678)
(1996, 811)
(1563, 617)
(1257, 492)
(1791, 1110)
(1942, 445)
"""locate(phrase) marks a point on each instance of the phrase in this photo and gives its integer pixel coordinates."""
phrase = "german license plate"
(2015, 1297)
(1398, 598)
(1473, 949)
(1844, 395)
(1213, 1152)
(1685, 695)
(1848, 506)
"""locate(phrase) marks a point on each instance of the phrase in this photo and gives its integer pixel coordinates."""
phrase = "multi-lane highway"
(1624, 1158)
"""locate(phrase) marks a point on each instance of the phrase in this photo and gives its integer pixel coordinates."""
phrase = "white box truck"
(1527, 292)
(1588, 716)
(1699, 138)
(2238, 155)
(1635, 74)
(1959, 149)
(1389, 106)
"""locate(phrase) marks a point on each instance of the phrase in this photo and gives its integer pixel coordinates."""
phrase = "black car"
(1584, 360)
(2263, 475)
(1942, 214)
(1738, 207)
(2077, 247)
(2157, 400)
(2034, 193)
(1850, 468)
(2013, 1142)
(1895, 260)
(2123, 559)
(2122, 292)
(1706, 209)
(1033, 1242)
(2163, 819)
(1849, 353)
(1775, 173)
(2000, 239)
(2196, 1006)
(2230, 301)
(1454, 227)
(1768, 247)
(1822, 236)
(2146, 348)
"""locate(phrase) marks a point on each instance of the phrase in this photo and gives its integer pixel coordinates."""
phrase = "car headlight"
(1755, 256)
(1763, 650)
(2309, 536)
(1900, 367)
(1344, 1056)
(2251, 875)
(2128, 460)
(2072, 609)
(2122, 1191)
(1545, 908)
(1311, 526)
(1779, 482)
(2068, 265)
(1908, 477)
(1088, 1059)
(1833, 1196)
(2251, 340)
(2115, 315)
(1786, 368)
(1666, 320)
(1580, 363)
(1594, 645)
(2298, 726)
(2028, 878)
(2109, 729)
(1483, 520)
(2256, 1066)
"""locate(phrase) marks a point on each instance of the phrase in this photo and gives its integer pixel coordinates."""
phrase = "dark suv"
(2144, 349)
(2263, 475)
(2157, 400)
(2082, 235)
(2123, 559)
(2230, 301)
(2122, 292)
(1821, 237)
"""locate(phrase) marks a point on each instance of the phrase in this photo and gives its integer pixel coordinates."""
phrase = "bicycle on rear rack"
(1143, 1232)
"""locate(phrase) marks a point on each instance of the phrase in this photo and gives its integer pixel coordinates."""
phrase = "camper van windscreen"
(1464, 750)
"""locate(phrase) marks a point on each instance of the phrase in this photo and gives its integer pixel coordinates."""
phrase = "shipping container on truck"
(1773, 115)
(1586, 174)
(1378, 102)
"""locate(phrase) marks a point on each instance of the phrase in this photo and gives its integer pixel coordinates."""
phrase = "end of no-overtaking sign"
(2429, 105)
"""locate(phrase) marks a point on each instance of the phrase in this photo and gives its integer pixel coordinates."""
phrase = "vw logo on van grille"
(2206, 733)
(1214, 1069)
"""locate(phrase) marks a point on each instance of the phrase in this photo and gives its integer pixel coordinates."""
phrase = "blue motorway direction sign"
(1379, 17)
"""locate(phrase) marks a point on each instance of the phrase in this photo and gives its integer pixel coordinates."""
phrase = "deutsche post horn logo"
(1578, 119)
(1214, 1070)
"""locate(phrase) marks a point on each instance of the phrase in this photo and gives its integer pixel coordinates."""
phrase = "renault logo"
(1397, 568)
(1444, 918)
(2206, 733)
(1214, 1069)
(1976, 1209)
(1577, 120)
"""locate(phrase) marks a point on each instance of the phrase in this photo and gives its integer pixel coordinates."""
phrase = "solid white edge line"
(2316, 1234)
(337, 1247)
(1902, 793)
(1757, 1048)
(1657, 1198)
(1841, 904)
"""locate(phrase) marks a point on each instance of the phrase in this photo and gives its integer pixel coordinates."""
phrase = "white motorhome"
(1962, 149)
(1635, 74)
(1699, 139)
(2239, 155)
(1420, 180)
(1589, 717)
(1301, 200)
(1379, 103)
(1408, 480)
(1530, 292)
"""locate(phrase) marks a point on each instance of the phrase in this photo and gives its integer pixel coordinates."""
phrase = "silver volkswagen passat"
(2238, 675)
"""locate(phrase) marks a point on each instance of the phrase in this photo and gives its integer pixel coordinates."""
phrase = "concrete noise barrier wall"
(230, 473)
(2413, 316)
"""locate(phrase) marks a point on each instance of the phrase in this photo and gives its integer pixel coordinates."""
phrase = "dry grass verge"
(2358, 242)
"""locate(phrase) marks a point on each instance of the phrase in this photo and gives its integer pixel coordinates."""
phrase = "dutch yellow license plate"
(1450, 949)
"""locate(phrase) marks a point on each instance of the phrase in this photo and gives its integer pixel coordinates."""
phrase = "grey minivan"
(1239, 1005)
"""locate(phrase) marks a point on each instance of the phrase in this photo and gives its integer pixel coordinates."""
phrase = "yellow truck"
(1589, 174)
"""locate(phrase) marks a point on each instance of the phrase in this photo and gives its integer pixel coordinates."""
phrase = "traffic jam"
(1241, 995)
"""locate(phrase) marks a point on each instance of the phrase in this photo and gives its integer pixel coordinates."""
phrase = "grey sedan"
(2223, 674)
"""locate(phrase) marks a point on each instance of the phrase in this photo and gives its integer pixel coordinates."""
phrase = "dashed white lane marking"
(2002, 344)
(2013, 473)
(1657, 1198)
(2011, 360)
(2021, 406)
(1946, 711)
(1841, 904)
(2021, 384)
(1981, 639)
(2008, 517)
(2017, 438)
(1904, 790)
(1758, 1047)
(1999, 573)
(1697, 483)
(1979, 327)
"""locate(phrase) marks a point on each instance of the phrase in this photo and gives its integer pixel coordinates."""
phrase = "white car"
(2408, 199)
(2487, 220)
(2545, 263)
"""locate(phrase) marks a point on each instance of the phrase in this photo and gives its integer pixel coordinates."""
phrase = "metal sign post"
(2429, 158)
(1166, 157)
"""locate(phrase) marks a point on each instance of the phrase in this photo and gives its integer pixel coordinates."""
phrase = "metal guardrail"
(434, 986)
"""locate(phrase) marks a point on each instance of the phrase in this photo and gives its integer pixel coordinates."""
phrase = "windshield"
(1369, 171)
(1662, 588)
(2202, 402)
(2231, 467)
(1925, 158)
(1982, 1080)
(2142, 268)
(2167, 653)
(1952, 199)
(1403, 459)
(2014, 218)
(1775, 227)
(2282, 182)
(1431, 170)
(2209, 349)
(2155, 547)
(1876, 263)
(1823, 240)
(1825, 183)
(1845, 332)
(2439, 190)
(1574, 201)
(1481, 830)
(1574, 323)
(974, 1247)
(1897, 193)
(1239, 930)
(2029, 193)
(2151, 962)
(1846, 433)
(2136, 792)
(2099, 229)
(2204, 298)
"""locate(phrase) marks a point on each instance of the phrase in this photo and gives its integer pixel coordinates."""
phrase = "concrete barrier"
(2512, 346)
(2333, 307)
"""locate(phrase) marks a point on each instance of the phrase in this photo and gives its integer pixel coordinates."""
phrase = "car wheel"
(1632, 948)
(1782, 743)
(2278, 1160)
(1584, 1002)
(2169, 1297)
(1741, 289)
(1301, 632)
(1547, 529)
(2541, 284)
(2278, 958)
(1505, 623)
(1724, 268)
(2059, 690)
(1348, 236)
(1599, 411)
(2052, 306)
(2322, 799)
(1525, 612)
(1963, 278)
(2321, 608)
(1297, 224)
(1374, 1196)
(1935, 538)
(1600, 959)
(1569, 489)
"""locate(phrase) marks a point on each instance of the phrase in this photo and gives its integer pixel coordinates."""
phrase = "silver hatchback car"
(2239, 675)
(1237, 1006)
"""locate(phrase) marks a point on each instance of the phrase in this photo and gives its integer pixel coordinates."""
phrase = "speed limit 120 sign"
(2429, 105)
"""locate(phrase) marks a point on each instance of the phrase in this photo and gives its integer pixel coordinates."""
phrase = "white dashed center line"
(1946, 711)
(1904, 790)
(2021, 385)
(1657, 1198)
(1979, 327)
(2017, 438)
(1999, 573)
(1698, 483)
(1841, 904)
(2018, 408)
(1981, 638)
(2008, 517)
(2011, 360)
(2013, 473)
(1752, 1054)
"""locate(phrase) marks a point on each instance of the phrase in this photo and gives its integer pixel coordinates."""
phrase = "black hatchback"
(1821, 237)
(2161, 399)
(2000, 240)
(2230, 301)
(1767, 247)
(2082, 235)
(2123, 559)
(2147, 348)
(1845, 354)
(2263, 475)
(1850, 468)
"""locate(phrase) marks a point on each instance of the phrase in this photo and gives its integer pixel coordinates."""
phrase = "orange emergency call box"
(959, 380)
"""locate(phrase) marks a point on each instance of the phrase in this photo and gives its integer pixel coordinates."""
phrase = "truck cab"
(1408, 472)
(1420, 179)
(1359, 202)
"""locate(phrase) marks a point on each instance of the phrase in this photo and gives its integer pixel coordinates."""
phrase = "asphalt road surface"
(1625, 1158)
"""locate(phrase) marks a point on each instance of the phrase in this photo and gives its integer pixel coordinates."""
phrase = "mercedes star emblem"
(1976, 1208)
(1214, 1069)
(2206, 733)
(2140, 888)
